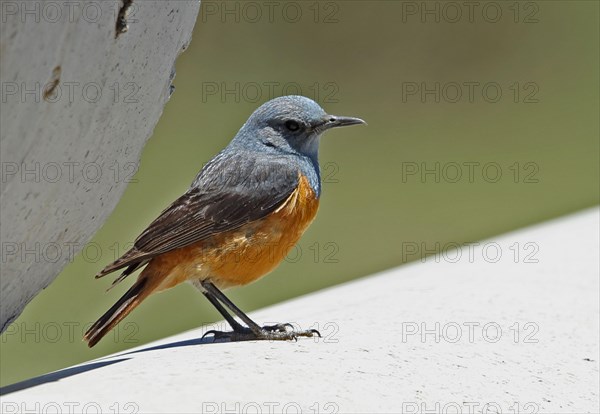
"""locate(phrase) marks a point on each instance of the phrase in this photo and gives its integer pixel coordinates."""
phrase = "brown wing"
(228, 193)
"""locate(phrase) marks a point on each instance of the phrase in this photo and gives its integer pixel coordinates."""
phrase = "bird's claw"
(315, 332)
(278, 332)
(216, 334)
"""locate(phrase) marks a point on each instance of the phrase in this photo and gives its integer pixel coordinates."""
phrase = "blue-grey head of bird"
(290, 124)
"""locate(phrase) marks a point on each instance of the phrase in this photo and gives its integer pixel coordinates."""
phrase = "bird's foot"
(280, 327)
(278, 332)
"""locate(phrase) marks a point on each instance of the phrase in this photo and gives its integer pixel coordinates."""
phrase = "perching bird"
(240, 217)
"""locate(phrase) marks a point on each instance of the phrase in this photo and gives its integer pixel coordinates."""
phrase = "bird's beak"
(334, 121)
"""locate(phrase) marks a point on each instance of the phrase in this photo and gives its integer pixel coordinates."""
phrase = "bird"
(244, 211)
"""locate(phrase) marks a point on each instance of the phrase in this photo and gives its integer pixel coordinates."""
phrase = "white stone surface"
(78, 104)
(370, 359)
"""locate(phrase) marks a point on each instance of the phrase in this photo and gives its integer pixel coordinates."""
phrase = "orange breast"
(241, 256)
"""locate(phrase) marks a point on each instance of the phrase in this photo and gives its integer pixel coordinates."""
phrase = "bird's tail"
(133, 297)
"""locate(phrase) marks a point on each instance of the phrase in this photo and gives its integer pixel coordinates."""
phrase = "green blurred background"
(355, 59)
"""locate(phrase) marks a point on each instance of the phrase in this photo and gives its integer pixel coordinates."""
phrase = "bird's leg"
(237, 327)
(254, 331)
(217, 297)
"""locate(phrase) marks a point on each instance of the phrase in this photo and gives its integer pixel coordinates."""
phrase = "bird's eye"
(292, 125)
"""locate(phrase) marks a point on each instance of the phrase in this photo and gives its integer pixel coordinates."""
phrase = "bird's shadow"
(207, 340)
(56, 376)
(103, 362)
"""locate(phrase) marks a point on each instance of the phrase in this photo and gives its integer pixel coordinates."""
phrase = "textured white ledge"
(368, 360)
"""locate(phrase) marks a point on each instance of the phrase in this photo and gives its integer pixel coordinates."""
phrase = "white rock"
(78, 104)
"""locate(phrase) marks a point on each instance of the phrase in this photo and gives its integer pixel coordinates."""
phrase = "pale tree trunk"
(83, 85)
